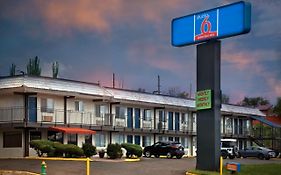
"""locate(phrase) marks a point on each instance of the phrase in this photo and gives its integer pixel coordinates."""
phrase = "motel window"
(88, 138)
(171, 138)
(146, 141)
(184, 118)
(129, 139)
(100, 140)
(12, 139)
(161, 116)
(183, 142)
(35, 135)
(120, 112)
(119, 138)
(79, 106)
(147, 115)
(47, 105)
(55, 136)
(101, 110)
(72, 139)
(177, 139)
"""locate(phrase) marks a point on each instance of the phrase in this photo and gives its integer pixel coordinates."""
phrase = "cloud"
(253, 65)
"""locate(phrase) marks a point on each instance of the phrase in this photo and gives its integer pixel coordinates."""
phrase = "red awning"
(72, 130)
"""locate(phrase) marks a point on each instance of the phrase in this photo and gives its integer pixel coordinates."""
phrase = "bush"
(132, 149)
(59, 150)
(71, 150)
(42, 147)
(55, 149)
(114, 151)
(89, 150)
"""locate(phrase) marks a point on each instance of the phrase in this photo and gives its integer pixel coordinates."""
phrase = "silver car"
(255, 151)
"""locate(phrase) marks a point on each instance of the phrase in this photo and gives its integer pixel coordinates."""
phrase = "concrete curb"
(132, 160)
(14, 172)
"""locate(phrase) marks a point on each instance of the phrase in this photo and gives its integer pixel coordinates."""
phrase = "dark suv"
(169, 149)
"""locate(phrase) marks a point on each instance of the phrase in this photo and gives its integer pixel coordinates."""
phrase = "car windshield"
(228, 144)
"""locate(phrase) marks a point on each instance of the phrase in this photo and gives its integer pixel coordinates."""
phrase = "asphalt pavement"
(147, 166)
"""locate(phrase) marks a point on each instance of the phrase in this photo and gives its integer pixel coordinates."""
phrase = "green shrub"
(114, 151)
(132, 149)
(42, 147)
(71, 150)
(59, 150)
(89, 149)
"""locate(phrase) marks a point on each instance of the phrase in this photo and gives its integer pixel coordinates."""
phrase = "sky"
(92, 39)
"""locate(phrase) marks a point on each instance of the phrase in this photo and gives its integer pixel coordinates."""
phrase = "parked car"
(170, 149)
(255, 151)
(229, 148)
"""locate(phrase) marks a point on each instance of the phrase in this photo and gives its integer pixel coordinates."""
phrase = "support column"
(209, 120)
(26, 142)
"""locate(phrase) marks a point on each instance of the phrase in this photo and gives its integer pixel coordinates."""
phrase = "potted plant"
(101, 153)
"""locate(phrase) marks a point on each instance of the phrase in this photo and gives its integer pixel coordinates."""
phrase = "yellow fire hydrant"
(43, 168)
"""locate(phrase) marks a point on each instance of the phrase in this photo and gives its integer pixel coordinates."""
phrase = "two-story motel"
(77, 112)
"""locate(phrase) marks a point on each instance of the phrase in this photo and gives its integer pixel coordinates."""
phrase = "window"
(161, 116)
(55, 136)
(137, 139)
(88, 138)
(101, 110)
(147, 115)
(177, 139)
(47, 105)
(35, 135)
(119, 138)
(120, 112)
(129, 139)
(100, 140)
(146, 141)
(183, 142)
(171, 139)
(184, 118)
(79, 106)
(12, 139)
(72, 139)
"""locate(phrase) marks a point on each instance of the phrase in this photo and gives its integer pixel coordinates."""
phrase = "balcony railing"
(43, 116)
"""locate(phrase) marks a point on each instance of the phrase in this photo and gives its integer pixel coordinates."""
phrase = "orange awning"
(72, 130)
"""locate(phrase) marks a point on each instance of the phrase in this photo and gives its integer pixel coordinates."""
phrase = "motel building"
(69, 111)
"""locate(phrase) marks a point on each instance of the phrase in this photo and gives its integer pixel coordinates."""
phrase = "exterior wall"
(10, 152)
(12, 107)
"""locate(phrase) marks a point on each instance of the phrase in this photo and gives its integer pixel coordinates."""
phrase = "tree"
(277, 107)
(176, 92)
(13, 70)
(55, 68)
(254, 101)
(224, 99)
(33, 67)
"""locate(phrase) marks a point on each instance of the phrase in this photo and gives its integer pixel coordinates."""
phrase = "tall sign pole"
(208, 107)
(206, 28)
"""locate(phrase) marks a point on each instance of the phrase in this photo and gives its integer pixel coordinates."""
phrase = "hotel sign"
(220, 22)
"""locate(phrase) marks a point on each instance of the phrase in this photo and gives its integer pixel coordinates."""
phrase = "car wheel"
(157, 155)
(231, 156)
(267, 158)
(224, 155)
(261, 156)
(244, 156)
(147, 154)
(179, 156)
(238, 155)
(169, 155)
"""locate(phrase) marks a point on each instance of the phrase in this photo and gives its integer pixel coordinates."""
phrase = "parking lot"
(146, 166)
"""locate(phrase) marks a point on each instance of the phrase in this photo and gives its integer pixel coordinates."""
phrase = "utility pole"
(113, 80)
(159, 86)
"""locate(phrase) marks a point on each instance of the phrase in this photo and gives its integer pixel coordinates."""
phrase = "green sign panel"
(203, 99)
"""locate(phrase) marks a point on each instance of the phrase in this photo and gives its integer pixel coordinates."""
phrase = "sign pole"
(208, 120)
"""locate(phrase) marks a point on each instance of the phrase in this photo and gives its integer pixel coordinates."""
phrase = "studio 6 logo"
(206, 25)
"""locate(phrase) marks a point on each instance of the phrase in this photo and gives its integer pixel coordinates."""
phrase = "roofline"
(50, 78)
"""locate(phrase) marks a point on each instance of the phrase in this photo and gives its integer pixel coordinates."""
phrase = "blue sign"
(225, 21)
